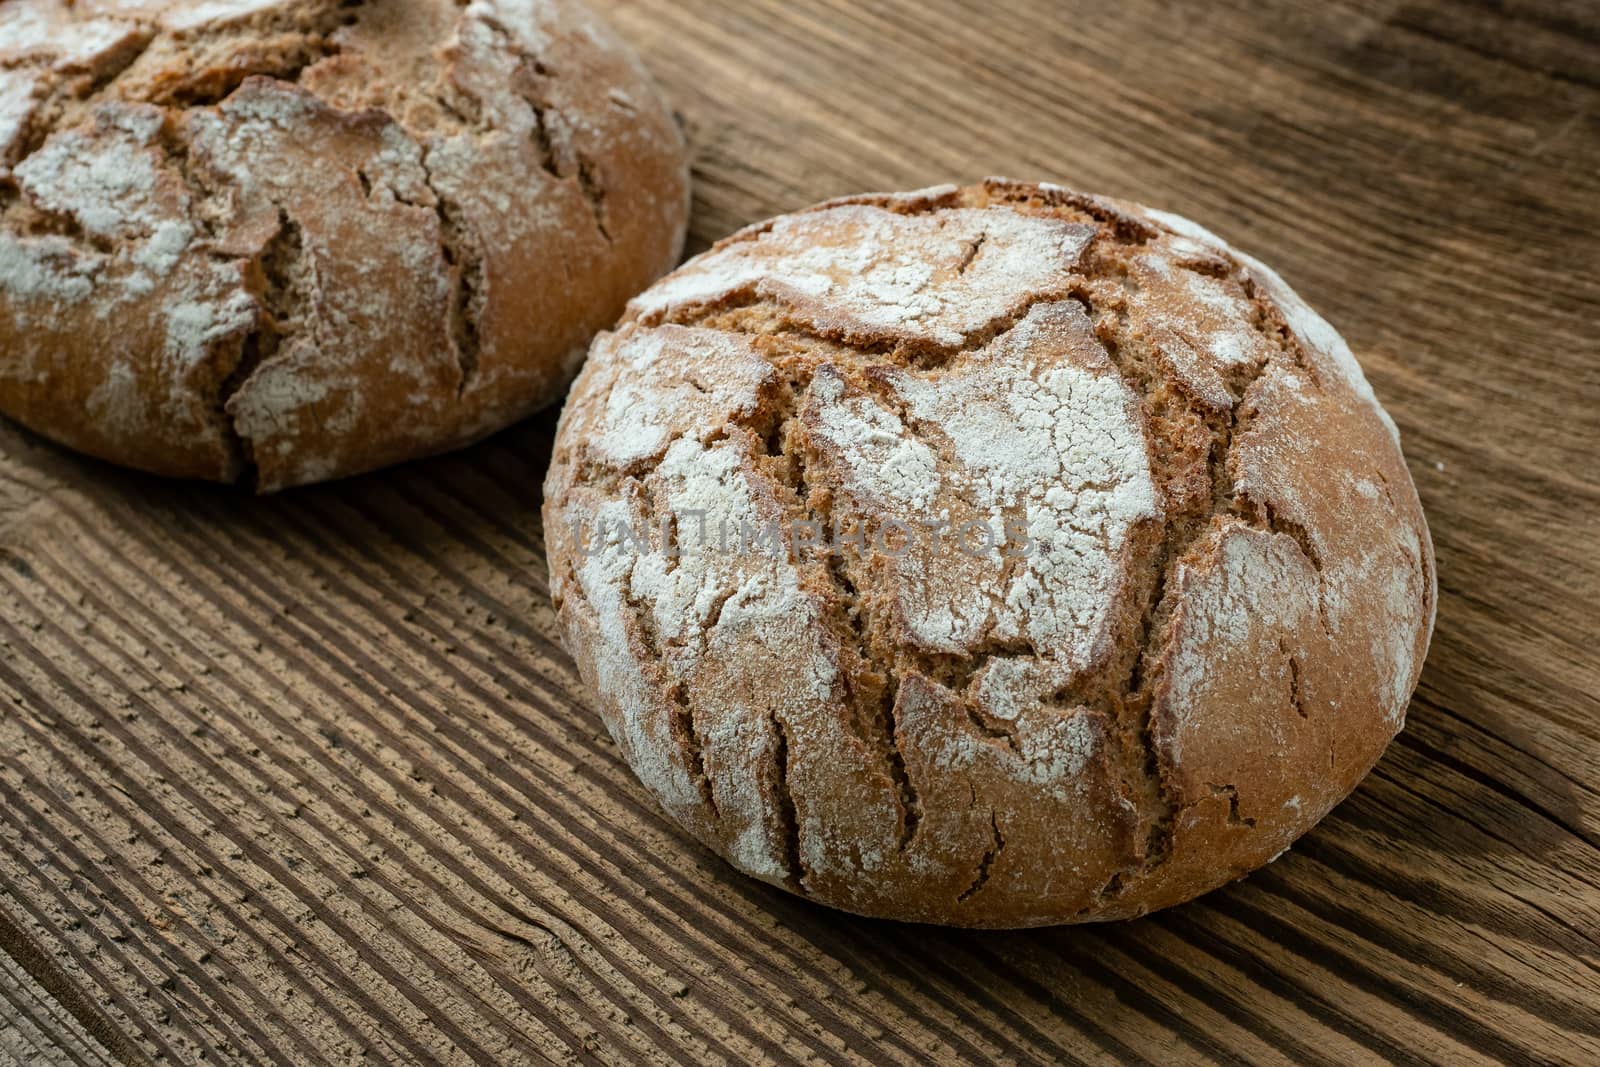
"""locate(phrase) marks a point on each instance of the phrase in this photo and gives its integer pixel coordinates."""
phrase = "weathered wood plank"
(307, 779)
(35, 1028)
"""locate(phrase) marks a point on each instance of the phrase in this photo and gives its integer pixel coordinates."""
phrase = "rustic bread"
(291, 240)
(1228, 599)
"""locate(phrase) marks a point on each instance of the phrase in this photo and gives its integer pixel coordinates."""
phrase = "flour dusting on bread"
(861, 271)
(1195, 634)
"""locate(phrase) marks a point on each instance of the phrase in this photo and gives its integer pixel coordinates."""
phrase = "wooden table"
(306, 779)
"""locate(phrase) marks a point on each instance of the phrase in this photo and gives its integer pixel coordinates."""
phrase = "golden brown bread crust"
(1227, 606)
(297, 239)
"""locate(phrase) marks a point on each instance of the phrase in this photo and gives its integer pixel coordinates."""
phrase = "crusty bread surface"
(291, 240)
(1203, 635)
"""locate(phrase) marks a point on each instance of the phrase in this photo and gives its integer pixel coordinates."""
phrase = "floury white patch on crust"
(675, 382)
(857, 268)
(884, 462)
(1038, 425)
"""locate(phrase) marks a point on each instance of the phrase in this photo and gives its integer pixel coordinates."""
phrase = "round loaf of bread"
(995, 556)
(289, 240)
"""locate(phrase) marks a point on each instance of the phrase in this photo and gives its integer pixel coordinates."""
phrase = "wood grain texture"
(306, 780)
(35, 1028)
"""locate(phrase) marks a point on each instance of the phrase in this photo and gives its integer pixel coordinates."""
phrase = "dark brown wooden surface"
(306, 780)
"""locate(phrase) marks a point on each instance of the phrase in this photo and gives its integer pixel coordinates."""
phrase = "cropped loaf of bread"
(1224, 603)
(289, 240)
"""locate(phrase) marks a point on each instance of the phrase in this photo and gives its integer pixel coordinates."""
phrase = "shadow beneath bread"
(494, 485)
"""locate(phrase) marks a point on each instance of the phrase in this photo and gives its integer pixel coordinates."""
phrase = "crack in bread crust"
(986, 864)
(788, 818)
(1192, 426)
(283, 301)
(1132, 698)
(463, 252)
(877, 717)
(560, 156)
